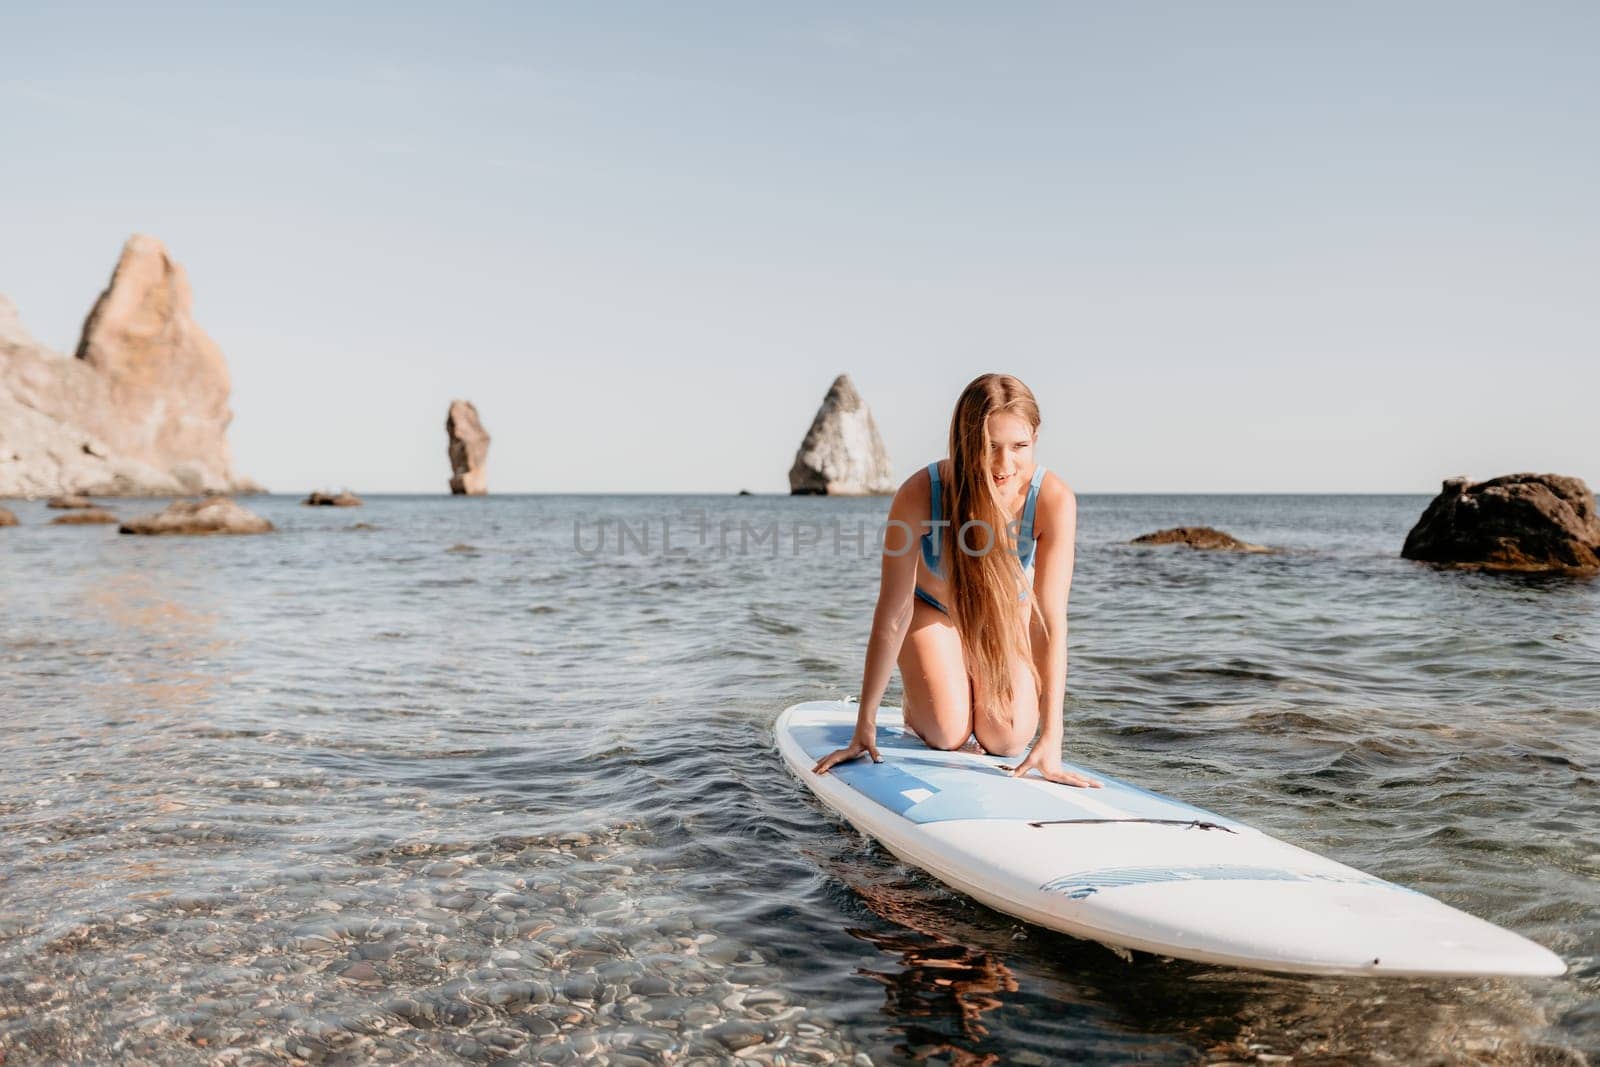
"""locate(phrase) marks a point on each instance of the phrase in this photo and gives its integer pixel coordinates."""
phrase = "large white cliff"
(140, 410)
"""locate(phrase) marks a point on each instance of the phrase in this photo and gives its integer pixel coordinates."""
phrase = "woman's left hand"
(1043, 759)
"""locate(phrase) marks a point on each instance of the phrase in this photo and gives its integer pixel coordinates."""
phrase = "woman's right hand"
(863, 742)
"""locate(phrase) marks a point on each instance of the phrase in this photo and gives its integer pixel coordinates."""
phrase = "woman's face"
(1010, 450)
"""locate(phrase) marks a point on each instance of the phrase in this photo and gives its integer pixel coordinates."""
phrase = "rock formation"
(7, 518)
(1519, 522)
(344, 498)
(84, 517)
(842, 454)
(215, 515)
(469, 450)
(67, 502)
(1198, 537)
(141, 410)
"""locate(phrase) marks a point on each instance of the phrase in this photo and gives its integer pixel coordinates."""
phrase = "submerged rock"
(469, 450)
(1198, 537)
(217, 515)
(842, 454)
(1518, 522)
(141, 410)
(344, 498)
(85, 517)
(7, 518)
(62, 502)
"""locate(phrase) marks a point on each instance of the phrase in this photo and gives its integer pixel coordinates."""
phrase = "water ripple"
(451, 791)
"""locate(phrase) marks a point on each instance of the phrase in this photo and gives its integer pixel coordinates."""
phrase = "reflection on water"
(444, 790)
(940, 993)
(161, 647)
(942, 988)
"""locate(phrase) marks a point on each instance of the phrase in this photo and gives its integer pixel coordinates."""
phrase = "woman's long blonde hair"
(986, 582)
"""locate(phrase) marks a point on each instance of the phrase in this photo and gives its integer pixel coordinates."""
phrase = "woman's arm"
(891, 619)
(1056, 520)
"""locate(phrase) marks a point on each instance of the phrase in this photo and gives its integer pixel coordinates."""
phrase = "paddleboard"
(1133, 869)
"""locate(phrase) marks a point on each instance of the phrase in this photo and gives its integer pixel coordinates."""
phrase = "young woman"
(975, 609)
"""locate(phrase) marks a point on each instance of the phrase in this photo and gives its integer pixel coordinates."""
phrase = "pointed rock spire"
(469, 450)
(842, 454)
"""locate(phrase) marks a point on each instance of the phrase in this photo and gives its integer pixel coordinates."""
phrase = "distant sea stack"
(1517, 522)
(469, 450)
(842, 454)
(142, 410)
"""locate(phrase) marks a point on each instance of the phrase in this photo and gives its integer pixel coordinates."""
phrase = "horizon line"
(826, 496)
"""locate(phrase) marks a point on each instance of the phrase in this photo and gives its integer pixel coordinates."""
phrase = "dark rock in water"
(83, 518)
(1517, 522)
(62, 502)
(842, 454)
(7, 518)
(745, 492)
(217, 515)
(344, 498)
(469, 450)
(736, 1034)
(360, 971)
(582, 987)
(1198, 537)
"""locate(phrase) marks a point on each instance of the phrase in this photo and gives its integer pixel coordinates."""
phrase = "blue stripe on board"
(819, 739)
(970, 786)
(891, 783)
(1086, 883)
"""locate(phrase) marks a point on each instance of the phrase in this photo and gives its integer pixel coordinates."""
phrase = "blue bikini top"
(934, 538)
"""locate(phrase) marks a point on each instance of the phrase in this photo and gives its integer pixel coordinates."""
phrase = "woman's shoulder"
(915, 494)
(920, 481)
(1055, 495)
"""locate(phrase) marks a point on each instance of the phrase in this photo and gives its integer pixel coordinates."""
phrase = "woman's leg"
(1008, 731)
(933, 671)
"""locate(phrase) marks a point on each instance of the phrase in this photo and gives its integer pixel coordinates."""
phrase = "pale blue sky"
(1232, 247)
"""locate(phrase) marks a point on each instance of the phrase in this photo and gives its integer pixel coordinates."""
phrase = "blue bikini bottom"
(930, 601)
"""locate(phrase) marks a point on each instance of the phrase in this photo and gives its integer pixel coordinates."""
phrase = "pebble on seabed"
(542, 950)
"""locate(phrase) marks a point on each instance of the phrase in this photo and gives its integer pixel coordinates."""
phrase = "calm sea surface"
(429, 781)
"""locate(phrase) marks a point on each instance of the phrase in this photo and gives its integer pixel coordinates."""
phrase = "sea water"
(476, 780)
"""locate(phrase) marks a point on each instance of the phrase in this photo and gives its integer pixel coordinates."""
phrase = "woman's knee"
(1002, 739)
(943, 735)
(1009, 732)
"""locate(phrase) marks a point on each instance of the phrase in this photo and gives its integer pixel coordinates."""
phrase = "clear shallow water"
(449, 789)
